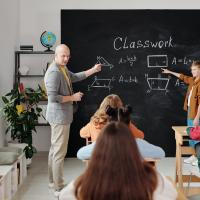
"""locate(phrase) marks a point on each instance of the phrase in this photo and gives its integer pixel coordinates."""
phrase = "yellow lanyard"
(65, 72)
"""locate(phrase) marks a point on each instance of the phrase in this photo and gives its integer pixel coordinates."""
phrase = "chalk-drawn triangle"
(103, 62)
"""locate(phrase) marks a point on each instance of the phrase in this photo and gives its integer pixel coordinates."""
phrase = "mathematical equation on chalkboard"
(154, 83)
(127, 59)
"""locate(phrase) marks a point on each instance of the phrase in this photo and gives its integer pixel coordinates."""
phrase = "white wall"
(37, 16)
(9, 38)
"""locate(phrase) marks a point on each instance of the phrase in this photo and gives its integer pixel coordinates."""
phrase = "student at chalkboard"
(100, 118)
(146, 149)
(191, 104)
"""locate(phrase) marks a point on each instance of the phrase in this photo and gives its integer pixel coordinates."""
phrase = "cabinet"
(12, 177)
(34, 64)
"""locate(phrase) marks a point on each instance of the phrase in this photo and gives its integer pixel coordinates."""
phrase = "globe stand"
(48, 50)
(47, 40)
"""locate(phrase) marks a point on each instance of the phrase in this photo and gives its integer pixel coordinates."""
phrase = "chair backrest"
(152, 161)
(88, 141)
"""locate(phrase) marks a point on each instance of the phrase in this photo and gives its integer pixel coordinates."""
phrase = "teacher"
(61, 98)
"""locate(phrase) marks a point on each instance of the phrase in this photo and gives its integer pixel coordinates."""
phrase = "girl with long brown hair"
(116, 174)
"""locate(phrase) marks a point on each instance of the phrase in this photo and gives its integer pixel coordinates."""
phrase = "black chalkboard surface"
(133, 46)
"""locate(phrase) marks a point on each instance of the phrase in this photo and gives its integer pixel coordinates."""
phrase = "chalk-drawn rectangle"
(157, 61)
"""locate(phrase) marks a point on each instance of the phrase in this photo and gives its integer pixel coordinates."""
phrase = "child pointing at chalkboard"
(192, 103)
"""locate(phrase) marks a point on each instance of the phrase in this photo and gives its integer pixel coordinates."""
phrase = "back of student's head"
(122, 114)
(100, 114)
(116, 170)
(112, 100)
(108, 108)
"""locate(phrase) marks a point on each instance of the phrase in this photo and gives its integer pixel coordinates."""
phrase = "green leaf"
(22, 126)
(7, 129)
(8, 94)
(5, 100)
(39, 109)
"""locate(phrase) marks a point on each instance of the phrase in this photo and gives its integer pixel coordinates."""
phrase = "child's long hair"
(116, 170)
(112, 101)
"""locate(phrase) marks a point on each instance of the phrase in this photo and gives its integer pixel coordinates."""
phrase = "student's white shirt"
(189, 97)
(164, 191)
(68, 193)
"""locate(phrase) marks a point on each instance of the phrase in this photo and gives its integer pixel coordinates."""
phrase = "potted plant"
(21, 111)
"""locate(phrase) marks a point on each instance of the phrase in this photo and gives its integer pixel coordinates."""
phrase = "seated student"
(116, 174)
(100, 118)
(146, 149)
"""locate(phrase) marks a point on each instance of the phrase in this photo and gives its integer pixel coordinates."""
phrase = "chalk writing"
(121, 43)
(179, 83)
(128, 59)
(183, 60)
(129, 79)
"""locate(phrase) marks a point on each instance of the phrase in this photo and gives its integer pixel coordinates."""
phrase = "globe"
(47, 39)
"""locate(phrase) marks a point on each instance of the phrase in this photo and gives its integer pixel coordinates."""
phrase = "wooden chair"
(152, 161)
(88, 141)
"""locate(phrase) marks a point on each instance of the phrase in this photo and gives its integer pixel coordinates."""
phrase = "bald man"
(58, 81)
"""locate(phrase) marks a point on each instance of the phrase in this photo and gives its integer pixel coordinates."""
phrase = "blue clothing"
(192, 143)
(146, 149)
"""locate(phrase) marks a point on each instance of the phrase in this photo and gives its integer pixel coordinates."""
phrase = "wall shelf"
(18, 76)
(30, 76)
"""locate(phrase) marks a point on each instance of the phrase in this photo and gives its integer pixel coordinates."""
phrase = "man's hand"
(77, 96)
(96, 68)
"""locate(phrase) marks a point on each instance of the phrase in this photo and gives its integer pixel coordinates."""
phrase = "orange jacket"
(90, 131)
(195, 97)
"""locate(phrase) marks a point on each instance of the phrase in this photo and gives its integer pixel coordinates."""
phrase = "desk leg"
(179, 166)
(176, 167)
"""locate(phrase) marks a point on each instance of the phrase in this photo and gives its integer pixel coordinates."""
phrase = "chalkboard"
(133, 46)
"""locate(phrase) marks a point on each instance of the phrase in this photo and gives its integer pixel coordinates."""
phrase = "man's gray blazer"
(56, 86)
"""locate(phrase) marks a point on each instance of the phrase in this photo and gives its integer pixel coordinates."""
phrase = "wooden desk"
(181, 136)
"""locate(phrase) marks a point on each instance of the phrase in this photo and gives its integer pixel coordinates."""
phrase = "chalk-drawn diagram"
(157, 61)
(104, 62)
(128, 59)
(157, 83)
(101, 83)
